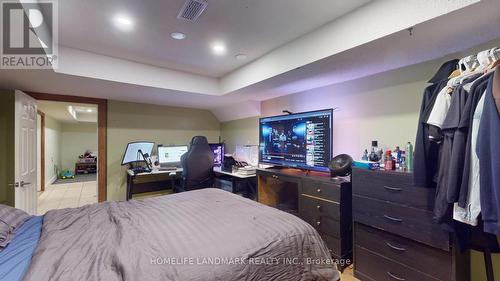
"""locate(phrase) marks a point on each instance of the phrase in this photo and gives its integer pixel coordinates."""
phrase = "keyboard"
(167, 169)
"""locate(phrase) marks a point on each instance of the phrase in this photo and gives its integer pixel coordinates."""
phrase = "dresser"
(322, 201)
(395, 237)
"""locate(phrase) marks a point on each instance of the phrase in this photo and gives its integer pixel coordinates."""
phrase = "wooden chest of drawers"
(327, 207)
(395, 237)
(324, 203)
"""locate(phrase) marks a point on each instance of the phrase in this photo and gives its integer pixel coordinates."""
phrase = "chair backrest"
(197, 165)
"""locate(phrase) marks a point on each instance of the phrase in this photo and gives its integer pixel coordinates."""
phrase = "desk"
(150, 181)
(238, 182)
(160, 180)
(318, 199)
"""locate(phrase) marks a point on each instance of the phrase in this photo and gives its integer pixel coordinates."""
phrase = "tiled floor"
(70, 195)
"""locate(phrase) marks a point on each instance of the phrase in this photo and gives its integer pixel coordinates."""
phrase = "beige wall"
(164, 125)
(240, 132)
(53, 130)
(76, 138)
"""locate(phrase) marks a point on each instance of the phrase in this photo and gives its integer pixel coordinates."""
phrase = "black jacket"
(426, 155)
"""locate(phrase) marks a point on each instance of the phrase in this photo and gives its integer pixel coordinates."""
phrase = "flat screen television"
(299, 140)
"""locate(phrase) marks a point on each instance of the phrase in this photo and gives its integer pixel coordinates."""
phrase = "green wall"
(53, 148)
(76, 138)
(7, 101)
(162, 124)
(240, 132)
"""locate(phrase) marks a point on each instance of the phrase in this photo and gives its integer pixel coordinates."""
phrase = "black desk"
(324, 202)
(155, 180)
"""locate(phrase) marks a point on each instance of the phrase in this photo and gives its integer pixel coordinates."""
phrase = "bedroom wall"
(162, 124)
(53, 130)
(76, 138)
(6, 147)
(240, 132)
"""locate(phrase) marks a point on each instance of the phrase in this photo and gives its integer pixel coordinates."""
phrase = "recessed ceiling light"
(178, 35)
(219, 48)
(241, 57)
(89, 110)
(123, 22)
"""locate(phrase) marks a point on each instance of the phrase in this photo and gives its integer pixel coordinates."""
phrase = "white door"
(25, 153)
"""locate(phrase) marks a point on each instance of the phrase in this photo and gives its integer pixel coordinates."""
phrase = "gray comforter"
(199, 235)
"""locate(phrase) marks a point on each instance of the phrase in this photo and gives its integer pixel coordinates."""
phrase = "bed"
(206, 234)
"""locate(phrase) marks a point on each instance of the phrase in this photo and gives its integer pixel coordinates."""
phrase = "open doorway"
(68, 155)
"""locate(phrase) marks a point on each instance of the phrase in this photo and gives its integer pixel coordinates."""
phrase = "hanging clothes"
(426, 152)
(457, 190)
(496, 87)
(442, 208)
(487, 148)
(469, 213)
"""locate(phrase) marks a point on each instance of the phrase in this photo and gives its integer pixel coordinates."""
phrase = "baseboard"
(51, 180)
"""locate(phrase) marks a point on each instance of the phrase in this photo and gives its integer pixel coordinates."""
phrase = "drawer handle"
(395, 247)
(318, 190)
(393, 188)
(393, 218)
(318, 223)
(318, 207)
(395, 277)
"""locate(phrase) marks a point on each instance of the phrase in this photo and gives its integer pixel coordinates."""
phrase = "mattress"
(206, 234)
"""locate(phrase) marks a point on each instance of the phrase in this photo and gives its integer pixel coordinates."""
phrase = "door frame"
(102, 129)
(42, 150)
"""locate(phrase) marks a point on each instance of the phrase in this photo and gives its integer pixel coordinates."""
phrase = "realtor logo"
(29, 35)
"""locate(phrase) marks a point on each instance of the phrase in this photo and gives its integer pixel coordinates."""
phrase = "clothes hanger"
(494, 55)
(472, 63)
(456, 73)
(464, 70)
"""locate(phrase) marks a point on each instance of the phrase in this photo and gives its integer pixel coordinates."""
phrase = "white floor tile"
(69, 195)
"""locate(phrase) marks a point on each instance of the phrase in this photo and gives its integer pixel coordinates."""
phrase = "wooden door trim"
(102, 130)
(42, 150)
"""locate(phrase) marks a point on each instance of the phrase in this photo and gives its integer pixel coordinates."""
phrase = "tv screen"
(299, 140)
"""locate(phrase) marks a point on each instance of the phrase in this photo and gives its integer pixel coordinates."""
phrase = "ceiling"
(368, 40)
(60, 112)
(251, 27)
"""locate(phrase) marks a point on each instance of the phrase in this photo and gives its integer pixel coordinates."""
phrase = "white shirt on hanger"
(441, 106)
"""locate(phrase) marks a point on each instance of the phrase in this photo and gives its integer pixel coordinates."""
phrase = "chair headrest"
(197, 140)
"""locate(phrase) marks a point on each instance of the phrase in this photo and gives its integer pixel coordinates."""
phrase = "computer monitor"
(218, 150)
(170, 156)
(134, 149)
(300, 140)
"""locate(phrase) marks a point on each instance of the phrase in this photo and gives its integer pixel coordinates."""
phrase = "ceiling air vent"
(192, 9)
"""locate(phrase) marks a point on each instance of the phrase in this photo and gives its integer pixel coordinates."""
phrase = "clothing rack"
(445, 127)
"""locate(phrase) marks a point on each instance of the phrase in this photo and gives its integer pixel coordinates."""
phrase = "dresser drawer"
(333, 244)
(415, 224)
(277, 176)
(392, 186)
(324, 224)
(328, 191)
(317, 207)
(378, 268)
(423, 258)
